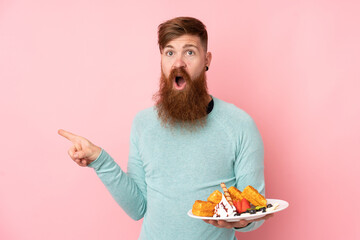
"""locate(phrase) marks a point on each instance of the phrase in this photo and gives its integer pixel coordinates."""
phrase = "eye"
(169, 53)
(190, 52)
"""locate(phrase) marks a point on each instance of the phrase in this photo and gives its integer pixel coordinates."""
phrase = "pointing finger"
(68, 135)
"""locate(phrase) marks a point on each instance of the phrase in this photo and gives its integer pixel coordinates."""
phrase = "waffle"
(235, 193)
(215, 197)
(253, 196)
(203, 208)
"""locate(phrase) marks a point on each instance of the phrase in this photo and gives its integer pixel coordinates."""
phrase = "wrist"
(96, 153)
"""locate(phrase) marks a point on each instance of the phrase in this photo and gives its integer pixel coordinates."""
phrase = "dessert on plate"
(232, 203)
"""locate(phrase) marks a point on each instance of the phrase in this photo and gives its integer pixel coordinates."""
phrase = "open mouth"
(179, 83)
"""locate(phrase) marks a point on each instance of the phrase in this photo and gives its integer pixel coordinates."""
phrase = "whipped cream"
(224, 209)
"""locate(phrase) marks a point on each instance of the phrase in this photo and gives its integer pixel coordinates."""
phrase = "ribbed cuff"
(99, 160)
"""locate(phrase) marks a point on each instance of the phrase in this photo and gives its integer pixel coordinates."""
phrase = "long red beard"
(187, 107)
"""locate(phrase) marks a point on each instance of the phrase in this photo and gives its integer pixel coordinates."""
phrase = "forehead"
(183, 40)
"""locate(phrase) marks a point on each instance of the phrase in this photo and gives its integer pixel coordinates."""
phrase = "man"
(182, 148)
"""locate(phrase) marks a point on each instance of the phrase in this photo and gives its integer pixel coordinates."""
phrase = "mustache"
(179, 72)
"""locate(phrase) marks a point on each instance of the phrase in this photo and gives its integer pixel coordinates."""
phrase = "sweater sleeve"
(249, 163)
(128, 189)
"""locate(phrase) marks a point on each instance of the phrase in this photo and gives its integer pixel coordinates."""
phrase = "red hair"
(176, 27)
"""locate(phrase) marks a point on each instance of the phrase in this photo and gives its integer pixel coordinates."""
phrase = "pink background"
(89, 66)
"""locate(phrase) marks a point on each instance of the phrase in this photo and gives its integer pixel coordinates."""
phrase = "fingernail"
(76, 155)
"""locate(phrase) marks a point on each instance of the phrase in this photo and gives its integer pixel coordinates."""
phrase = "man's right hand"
(83, 152)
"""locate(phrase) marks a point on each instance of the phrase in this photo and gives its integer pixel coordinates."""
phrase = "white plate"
(247, 216)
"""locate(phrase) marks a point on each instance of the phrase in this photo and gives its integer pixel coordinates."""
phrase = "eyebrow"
(190, 45)
(185, 46)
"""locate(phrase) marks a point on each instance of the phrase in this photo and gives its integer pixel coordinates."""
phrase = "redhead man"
(182, 148)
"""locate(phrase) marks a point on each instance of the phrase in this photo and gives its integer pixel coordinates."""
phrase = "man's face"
(183, 97)
(187, 52)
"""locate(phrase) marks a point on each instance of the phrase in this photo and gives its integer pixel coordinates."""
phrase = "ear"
(208, 59)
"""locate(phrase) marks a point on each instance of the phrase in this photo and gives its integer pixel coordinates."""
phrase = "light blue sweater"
(168, 169)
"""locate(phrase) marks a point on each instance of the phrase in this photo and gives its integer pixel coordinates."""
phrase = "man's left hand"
(239, 224)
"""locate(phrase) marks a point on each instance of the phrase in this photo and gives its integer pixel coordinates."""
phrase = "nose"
(179, 62)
